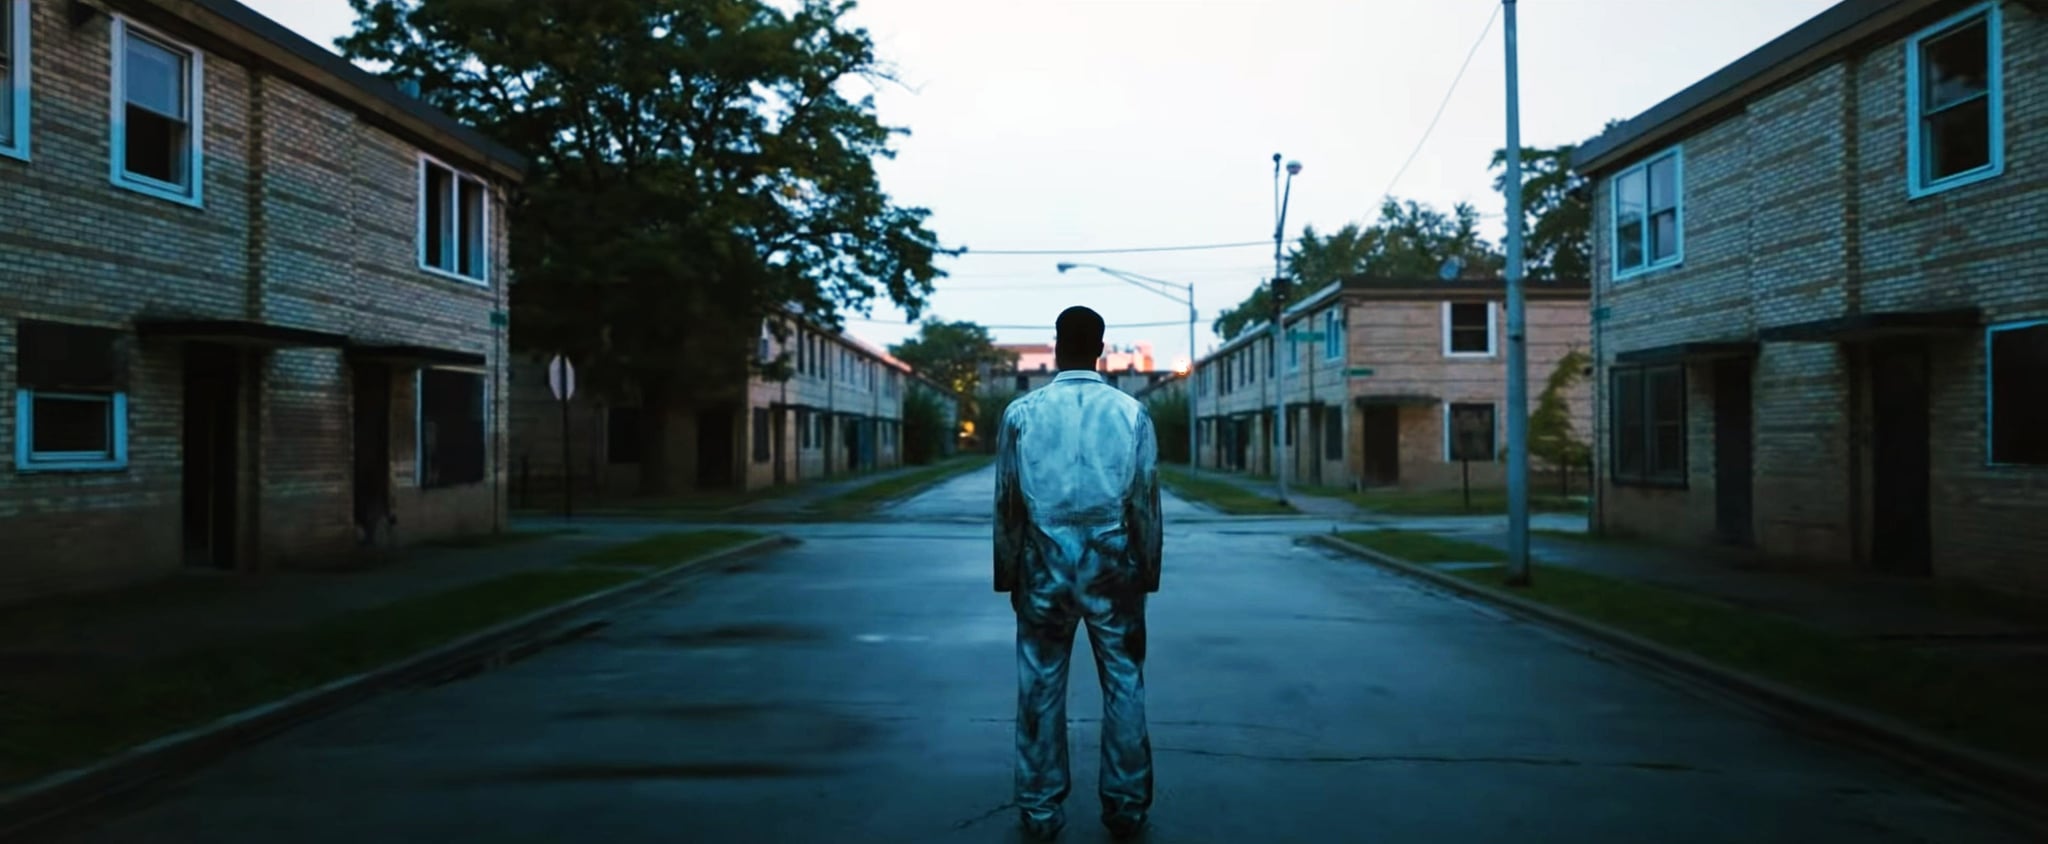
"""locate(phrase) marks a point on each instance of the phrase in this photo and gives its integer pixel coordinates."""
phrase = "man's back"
(1075, 469)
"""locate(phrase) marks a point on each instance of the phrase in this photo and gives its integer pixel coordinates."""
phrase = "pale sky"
(1112, 124)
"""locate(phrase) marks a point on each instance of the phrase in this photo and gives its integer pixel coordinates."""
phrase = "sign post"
(562, 382)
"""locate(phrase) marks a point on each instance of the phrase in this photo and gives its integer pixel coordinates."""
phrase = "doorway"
(211, 454)
(1901, 540)
(1380, 427)
(372, 447)
(716, 431)
(1734, 506)
(781, 435)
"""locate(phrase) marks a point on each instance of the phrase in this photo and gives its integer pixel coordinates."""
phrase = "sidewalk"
(809, 493)
(1307, 503)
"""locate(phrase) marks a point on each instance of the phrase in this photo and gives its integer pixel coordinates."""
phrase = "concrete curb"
(57, 796)
(2020, 789)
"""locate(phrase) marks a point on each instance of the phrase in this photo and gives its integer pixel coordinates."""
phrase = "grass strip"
(1974, 702)
(1451, 502)
(862, 500)
(77, 712)
(664, 549)
(1419, 547)
(1220, 494)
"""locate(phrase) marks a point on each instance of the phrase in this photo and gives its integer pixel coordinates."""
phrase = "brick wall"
(1797, 209)
(308, 220)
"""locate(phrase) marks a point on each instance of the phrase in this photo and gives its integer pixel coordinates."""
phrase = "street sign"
(1358, 372)
(1600, 312)
(562, 378)
(1299, 336)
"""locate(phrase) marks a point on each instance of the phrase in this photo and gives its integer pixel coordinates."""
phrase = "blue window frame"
(70, 432)
(1648, 214)
(2015, 409)
(158, 115)
(1955, 102)
(14, 72)
(1333, 334)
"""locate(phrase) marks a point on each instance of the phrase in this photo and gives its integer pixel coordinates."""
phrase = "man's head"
(1079, 341)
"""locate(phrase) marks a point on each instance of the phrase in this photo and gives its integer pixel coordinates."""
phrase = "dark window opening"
(622, 435)
(66, 426)
(1472, 432)
(452, 236)
(156, 112)
(470, 247)
(1023, 383)
(1333, 433)
(1471, 329)
(1955, 97)
(452, 431)
(2019, 405)
(761, 444)
(1664, 209)
(1648, 444)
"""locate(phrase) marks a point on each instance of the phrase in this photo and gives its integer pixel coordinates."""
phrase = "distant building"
(1038, 357)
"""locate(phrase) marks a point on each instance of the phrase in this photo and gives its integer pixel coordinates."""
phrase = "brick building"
(1388, 367)
(246, 300)
(841, 412)
(1824, 319)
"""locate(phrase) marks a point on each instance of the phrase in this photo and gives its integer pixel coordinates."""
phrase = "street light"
(1161, 287)
(1279, 292)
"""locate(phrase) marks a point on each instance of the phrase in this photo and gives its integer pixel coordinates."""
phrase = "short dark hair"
(1079, 334)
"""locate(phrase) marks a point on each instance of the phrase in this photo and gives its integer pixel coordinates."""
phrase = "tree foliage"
(1169, 410)
(1409, 240)
(1557, 239)
(924, 426)
(953, 353)
(1552, 437)
(696, 166)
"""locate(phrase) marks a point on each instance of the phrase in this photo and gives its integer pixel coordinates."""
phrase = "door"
(780, 426)
(1733, 444)
(372, 446)
(1380, 444)
(1901, 428)
(210, 451)
(717, 431)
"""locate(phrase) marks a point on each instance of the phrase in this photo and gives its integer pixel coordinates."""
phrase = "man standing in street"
(1077, 539)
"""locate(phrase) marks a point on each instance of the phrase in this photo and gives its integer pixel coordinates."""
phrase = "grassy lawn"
(1220, 494)
(497, 540)
(684, 507)
(862, 500)
(74, 713)
(664, 549)
(1419, 547)
(1993, 708)
(1485, 502)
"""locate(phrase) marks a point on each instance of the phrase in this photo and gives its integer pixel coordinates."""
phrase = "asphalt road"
(860, 687)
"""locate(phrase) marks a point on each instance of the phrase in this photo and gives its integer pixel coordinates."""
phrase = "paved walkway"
(1308, 505)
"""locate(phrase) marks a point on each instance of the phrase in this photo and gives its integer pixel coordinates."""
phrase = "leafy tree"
(988, 417)
(697, 166)
(1169, 409)
(1557, 209)
(924, 426)
(953, 353)
(1552, 437)
(1410, 240)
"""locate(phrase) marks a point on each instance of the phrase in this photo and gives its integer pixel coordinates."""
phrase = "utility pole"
(1518, 346)
(1281, 456)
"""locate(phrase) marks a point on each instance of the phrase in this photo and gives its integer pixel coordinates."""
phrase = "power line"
(1175, 323)
(969, 251)
(1442, 105)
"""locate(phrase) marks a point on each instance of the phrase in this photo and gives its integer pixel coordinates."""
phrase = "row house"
(1009, 381)
(840, 412)
(1822, 298)
(1389, 383)
(249, 301)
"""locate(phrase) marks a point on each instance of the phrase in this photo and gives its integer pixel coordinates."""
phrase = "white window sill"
(454, 276)
(167, 193)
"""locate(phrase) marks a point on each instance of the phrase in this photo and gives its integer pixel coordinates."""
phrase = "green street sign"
(498, 318)
(1358, 372)
(1304, 336)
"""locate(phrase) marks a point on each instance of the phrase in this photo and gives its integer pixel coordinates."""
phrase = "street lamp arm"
(1159, 286)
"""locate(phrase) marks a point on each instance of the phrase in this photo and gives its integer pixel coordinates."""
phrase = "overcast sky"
(1111, 124)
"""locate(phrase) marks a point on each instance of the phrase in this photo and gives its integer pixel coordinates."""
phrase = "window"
(158, 139)
(70, 401)
(1333, 433)
(761, 435)
(803, 428)
(14, 68)
(1649, 426)
(622, 435)
(1649, 215)
(2017, 416)
(1293, 355)
(1023, 383)
(451, 427)
(1272, 359)
(1468, 329)
(1333, 334)
(453, 230)
(1955, 103)
(1469, 432)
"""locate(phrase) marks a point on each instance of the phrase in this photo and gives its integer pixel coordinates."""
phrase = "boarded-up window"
(72, 380)
(2019, 404)
(1472, 435)
(761, 443)
(1333, 433)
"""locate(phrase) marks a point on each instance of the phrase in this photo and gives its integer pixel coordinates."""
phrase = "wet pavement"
(860, 687)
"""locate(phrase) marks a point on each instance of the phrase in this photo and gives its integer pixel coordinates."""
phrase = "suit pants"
(1047, 614)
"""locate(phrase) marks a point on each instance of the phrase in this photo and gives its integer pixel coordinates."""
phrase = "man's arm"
(1143, 526)
(1012, 515)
